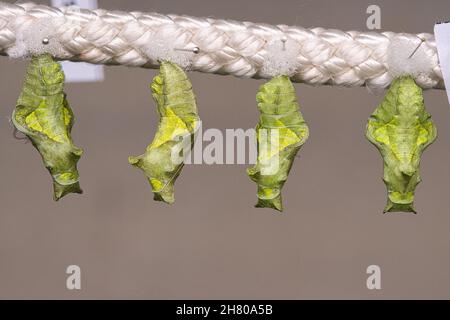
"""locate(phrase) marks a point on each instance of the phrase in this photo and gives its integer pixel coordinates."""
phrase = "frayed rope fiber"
(314, 56)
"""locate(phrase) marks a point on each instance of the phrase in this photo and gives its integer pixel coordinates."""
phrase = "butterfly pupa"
(163, 159)
(401, 129)
(43, 114)
(280, 133)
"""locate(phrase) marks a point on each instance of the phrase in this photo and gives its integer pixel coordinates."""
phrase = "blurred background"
(212, 243)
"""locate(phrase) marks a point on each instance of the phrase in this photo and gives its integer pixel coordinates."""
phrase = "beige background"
(212, 243)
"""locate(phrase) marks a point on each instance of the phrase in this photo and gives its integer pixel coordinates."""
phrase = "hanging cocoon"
(280, 133)
(163, 159)
(45, 117)
(401, 129)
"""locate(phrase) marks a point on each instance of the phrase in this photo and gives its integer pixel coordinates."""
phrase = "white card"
(80, 71)
(442, 37)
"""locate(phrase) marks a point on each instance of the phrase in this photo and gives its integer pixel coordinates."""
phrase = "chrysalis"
(280, 132)
(401, 129)
(163, 159)
(44, 116)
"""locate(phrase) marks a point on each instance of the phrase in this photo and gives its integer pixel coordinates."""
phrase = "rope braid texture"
(313, 56)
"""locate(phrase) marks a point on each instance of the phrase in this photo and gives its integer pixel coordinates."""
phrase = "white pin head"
(284, 40)
(195, 50)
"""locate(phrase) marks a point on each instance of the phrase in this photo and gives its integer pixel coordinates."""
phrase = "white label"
(80, 71)
(442, 36)
(88, 4)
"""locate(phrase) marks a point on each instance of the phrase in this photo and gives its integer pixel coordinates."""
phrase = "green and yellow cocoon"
(280, 133)
(43, 114)
(163, 159)
(401, 129)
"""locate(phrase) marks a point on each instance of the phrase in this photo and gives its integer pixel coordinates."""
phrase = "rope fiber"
(315, 56)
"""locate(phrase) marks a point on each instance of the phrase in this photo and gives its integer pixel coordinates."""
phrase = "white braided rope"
(242, 49)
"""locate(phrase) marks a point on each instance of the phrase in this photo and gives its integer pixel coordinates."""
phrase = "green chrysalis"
(45, 117)
(172, 91)
(280, 133)
(401, 129)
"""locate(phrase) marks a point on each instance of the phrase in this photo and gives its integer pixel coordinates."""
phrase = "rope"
(314, 56)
